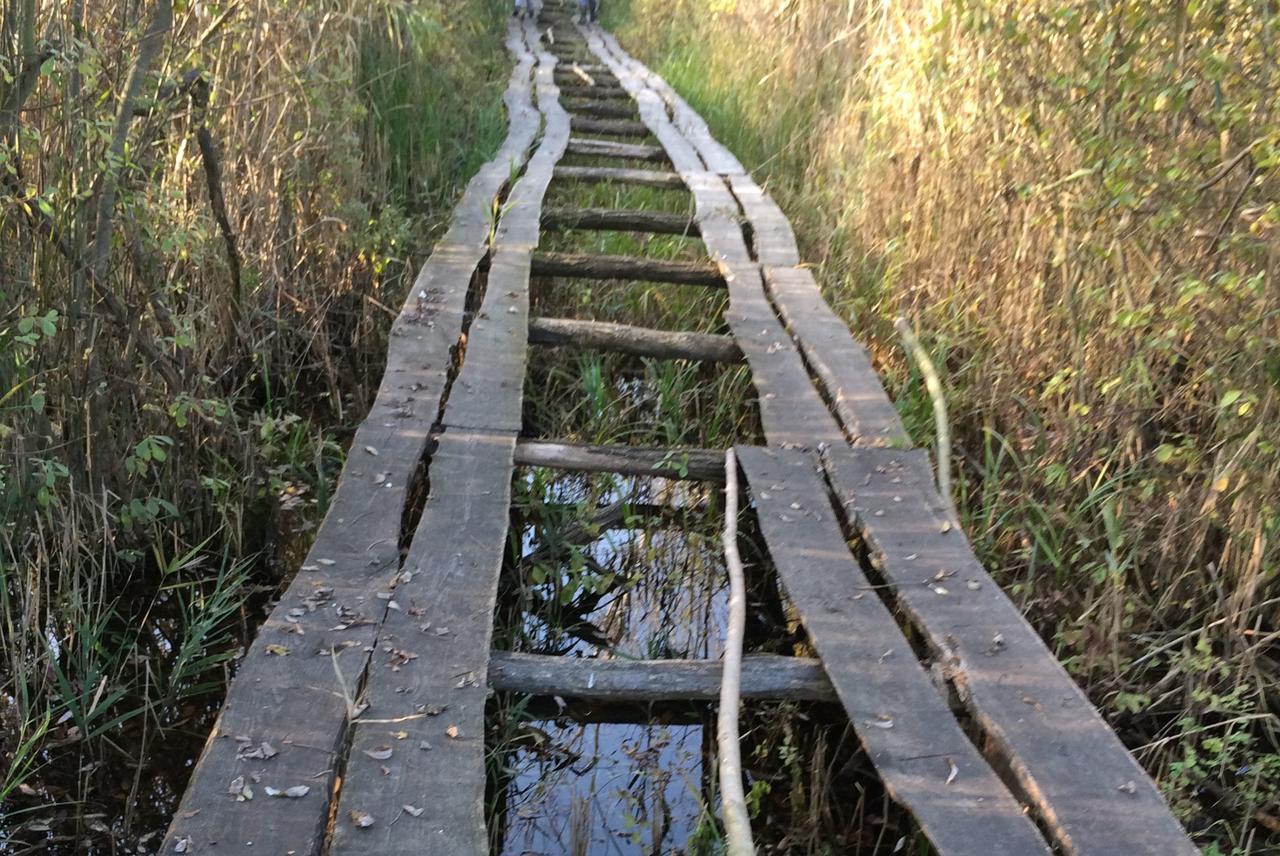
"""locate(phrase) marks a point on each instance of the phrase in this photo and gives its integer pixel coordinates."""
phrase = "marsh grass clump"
(1077, 205)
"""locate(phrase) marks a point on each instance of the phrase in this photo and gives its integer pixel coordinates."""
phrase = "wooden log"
(764, 676)
(593, 93)
(620, 220)
(602, 111)
(614, 127)
(926, 761)
(626, 268)
(644, 177)
(842, 365)
(637, 341)
(1093, 796)
(705, 465)
(624, 151)
(599, 79)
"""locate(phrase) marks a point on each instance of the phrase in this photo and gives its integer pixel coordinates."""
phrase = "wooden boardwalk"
(356, 722)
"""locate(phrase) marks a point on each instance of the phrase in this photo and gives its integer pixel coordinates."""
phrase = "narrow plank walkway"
(357, 720)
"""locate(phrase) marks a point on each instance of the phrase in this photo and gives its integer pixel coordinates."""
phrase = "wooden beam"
(637, 341)
(602, 111)
(764, 676)
(626, 268)
(625, 151)
(644, 177)
(616, 127)
(581, 90)
(705, 465)
(620, 220)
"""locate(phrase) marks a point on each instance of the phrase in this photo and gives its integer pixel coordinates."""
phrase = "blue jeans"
(590, 9)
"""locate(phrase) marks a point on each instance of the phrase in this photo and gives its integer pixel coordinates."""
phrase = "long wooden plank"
(791, 410)
(284, 718)
(841, 364)
(693, 464)
(1092, 794)
(415, 777)
(764, 676)
(633, 268)
(622, 151)
(774, 240)
(644, 177)
(637, 341)
(488, 392)
(620, 220)
(926, 762)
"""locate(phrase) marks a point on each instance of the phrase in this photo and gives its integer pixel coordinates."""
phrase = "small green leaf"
(1165, 453)
(1231, 397)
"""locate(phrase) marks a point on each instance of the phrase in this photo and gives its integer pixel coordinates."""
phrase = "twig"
(921, 356)
(737, 824)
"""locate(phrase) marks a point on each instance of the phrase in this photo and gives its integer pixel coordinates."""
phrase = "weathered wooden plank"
(594, 93)
(635, 268)
(791, 411)
(623, 151)
(637, 341)
(488, 391)
(841, 364)
(775, 242)
(286, 693)
(620, 220)
(644, 177)
(695, 464)
(612, 127)
(718, 159)
(421, 743)
(764, 676)
(1092, 794)
(924, 758)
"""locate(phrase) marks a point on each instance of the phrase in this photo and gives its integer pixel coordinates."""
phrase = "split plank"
(286, 693)
(620, 220)
(1092, 794)
(764, 676)
(421, 742)
(622, 151)
(923, 756)
(693, 464)
(840, 362)
(637, 341)
(644, 177)
(572, 265)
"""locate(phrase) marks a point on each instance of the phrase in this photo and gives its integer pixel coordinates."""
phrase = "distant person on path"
(524, 8)
(589, 10)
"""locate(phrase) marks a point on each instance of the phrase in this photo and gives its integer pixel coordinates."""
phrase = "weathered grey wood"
(645, 177)
(637, 341)
(841, 364)
(775, 242)
(566, 75)
(603, 111)
(926, 762)
(626, 268)
(1092, 794)
(764, 676)
(286, 693)
(614, 127)
(791, 409)
(595, 93)
(717, 158)
(623, 151)
(695, 464)
(421, 742)
(488, 392)
(620, 220)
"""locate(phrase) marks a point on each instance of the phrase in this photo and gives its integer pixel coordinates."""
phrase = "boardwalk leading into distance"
(356, 722)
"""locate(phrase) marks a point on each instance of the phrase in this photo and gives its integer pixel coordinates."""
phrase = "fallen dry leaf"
(379, 753)
(360, 819)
